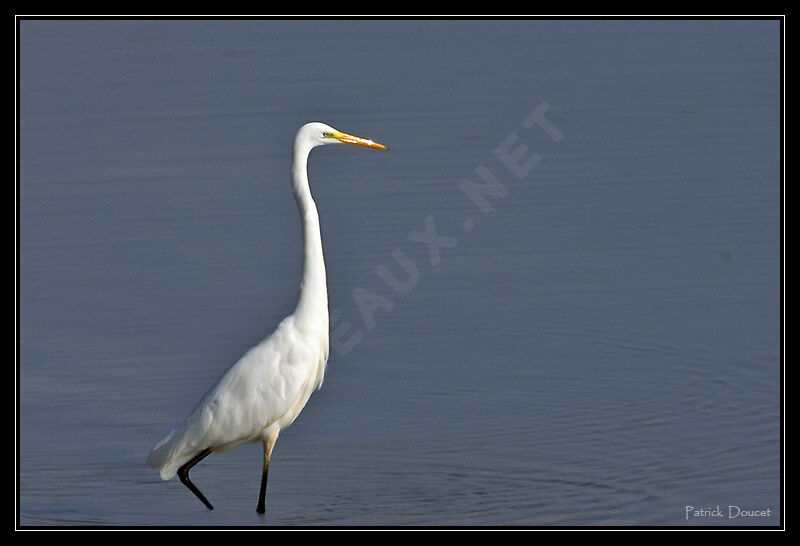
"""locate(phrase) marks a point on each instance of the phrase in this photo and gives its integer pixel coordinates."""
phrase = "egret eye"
(327, 134)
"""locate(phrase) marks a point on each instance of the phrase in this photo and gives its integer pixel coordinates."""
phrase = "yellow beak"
(357, 141)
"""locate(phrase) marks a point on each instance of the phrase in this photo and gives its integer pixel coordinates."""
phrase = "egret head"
(315, 134)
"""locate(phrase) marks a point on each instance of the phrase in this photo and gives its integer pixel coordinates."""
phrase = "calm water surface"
(556, 299)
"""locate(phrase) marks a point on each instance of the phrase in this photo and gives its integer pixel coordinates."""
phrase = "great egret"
(266, 389)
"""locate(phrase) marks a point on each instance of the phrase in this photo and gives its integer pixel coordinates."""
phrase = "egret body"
(266, 389)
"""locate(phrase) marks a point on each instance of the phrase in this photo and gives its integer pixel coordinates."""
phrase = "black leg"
(263, 492)
(269, 443)
(183, 474)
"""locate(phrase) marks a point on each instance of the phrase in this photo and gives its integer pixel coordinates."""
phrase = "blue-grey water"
(555, 300)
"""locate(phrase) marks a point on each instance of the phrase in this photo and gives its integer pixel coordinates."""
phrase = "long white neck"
(312, 305)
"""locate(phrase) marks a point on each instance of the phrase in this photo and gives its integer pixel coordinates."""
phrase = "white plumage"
(263, 391)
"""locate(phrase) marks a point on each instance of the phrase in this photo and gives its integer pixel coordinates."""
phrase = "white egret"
(266, 389)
